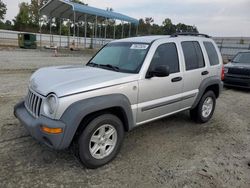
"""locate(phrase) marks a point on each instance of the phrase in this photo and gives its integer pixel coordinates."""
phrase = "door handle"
(204, 73)
(177, 79)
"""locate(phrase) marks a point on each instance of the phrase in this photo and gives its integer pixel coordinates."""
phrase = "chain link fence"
(229, 46)
(10, 38)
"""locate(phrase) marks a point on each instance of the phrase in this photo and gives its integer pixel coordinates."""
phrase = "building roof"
(65, 9)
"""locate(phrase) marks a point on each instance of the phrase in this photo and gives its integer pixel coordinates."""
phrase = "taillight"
(222, 73)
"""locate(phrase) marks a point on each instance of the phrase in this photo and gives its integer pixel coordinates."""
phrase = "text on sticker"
(139, 46)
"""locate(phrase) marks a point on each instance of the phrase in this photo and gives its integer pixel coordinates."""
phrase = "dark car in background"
(237, 72)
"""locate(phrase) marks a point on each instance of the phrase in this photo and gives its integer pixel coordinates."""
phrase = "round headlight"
(50, 104)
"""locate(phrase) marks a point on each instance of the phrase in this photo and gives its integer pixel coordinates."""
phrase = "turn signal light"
(51, 130)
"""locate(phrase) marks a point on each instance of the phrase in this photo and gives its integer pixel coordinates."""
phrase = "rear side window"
(193, 55)
(166, 54)
(211, 52)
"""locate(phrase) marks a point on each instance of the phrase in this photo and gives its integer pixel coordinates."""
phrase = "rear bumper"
(33, 125)
(237, 81)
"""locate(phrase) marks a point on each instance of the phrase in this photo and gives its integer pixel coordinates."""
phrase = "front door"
(159, 96)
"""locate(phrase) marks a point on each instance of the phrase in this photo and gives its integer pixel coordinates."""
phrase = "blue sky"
(214, 17)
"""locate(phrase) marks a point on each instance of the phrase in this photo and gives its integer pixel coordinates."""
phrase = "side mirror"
(158, 71)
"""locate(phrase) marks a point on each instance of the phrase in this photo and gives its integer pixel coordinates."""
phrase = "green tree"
(157, 30)
(3, 10)
(28, 17)
(180, 27)
(147, 27)
(110, 21)
(110, 9)
(34, 12)
(8, 25)
(148, 22)
(22, 20)
(142, 27)
(34, 8)
(168, 27)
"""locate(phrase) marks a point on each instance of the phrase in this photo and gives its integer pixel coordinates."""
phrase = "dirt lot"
(172, 152)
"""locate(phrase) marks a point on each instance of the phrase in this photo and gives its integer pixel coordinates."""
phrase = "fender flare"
(204, 85)
(74, 114)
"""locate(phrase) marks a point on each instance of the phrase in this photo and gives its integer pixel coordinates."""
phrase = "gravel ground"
(21, 59)
(172, 152)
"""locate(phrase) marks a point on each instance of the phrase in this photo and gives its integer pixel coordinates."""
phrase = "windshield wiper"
(235, 61)
(115, 68)
(93, 64)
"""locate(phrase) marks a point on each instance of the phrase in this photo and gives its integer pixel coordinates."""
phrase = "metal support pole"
(129, 33)
(221, 45)
(69, 34)
(74, 32)
(105, 32)
(74, 26)
(85, 31)
(114, 30)
(137, 28)
(95, 30)
(78, 39)
(122, 29)
(93, 34)
(40, 30)
(50, 31)
(60, 32)
(100, 35)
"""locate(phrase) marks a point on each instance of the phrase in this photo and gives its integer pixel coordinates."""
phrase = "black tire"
(196, 113)
(84, 140)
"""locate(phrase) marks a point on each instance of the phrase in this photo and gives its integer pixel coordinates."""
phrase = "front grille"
(33, 103)
(239, 71)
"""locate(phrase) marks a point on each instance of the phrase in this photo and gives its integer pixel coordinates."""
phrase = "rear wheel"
(205, 108)
(100, 141)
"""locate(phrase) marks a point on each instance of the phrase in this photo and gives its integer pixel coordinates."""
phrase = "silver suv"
(129, 82)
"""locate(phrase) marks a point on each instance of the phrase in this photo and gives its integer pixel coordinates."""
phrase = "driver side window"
(166, 54)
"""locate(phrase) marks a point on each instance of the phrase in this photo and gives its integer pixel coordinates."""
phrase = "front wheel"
(100, 141)
(205, 108)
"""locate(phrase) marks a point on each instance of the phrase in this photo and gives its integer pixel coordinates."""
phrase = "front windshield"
(121, 56)
(242, 58)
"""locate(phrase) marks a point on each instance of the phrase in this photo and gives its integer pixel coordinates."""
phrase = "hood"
(238, 65)
(66, 80)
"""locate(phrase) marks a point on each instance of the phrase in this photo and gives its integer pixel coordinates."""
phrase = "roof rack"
(190, 34)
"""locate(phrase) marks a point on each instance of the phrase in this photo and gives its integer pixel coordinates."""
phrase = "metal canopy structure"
(65, 9)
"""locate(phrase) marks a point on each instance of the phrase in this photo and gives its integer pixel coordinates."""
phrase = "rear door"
(195, 70)
(212, 58)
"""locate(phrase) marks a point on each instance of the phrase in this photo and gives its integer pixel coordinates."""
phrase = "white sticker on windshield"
(139, 46)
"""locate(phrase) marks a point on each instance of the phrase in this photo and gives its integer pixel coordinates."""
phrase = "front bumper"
(33, 125)
(237, 81)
